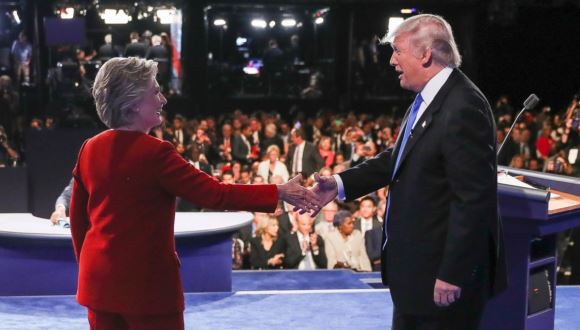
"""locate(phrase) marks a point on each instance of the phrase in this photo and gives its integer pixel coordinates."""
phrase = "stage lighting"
(166, 16)
(259, 23)
(394, 22)
(272, 24)
(288, 22)
(241, 41)
(219, 22)
(114, 16)
(16, 17)
(318, 20)
(408, 10)
(67, 13)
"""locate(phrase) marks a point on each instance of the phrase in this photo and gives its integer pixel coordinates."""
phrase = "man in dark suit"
(303, 157)
(242, 147)
(368, 216)
(442, 253)
(304, 248)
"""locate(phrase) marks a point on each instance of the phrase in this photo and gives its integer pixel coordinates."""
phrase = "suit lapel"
(425, 120)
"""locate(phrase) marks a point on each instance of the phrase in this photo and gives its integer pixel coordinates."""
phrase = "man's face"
(367, 209)
(228, 178)
(329, 211)
(295, 138)
(407, 64)
(177, 123)
(304, 223)
(227, 130)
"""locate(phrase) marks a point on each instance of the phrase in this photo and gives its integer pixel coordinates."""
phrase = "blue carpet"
(333, 307)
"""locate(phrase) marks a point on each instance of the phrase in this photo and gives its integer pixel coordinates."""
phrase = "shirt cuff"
(340, 186)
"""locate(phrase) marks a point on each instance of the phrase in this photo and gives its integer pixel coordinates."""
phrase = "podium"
(532, 219)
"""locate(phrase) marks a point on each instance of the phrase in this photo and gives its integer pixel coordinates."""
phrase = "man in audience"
(368, 215)
(304, 249)
(326, 225)
(303, 157)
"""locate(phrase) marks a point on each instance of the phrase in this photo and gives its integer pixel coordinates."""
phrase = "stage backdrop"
(51, 156)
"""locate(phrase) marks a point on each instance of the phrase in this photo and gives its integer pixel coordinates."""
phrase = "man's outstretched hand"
(302, 199)
(326, 189)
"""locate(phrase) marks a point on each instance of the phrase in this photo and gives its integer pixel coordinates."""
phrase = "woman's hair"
(340, 217)
(271, 148)
(119, 87)
(263, 224)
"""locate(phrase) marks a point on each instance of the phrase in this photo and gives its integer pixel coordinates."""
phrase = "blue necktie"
(406, 135)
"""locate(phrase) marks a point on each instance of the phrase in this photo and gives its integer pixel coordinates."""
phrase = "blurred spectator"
(266, 249)
(326, 224)
(242, 147)
(198, 159)
(517, 162)
(271, 138)
(303, 157)
(9, 157)
(345, 247)
(8, 104)
(304, 249)
(367, 215)
(21, 52)
(273, 166)
(178, 132)
(135, 47)
(108, 50)
(324, 148)
(544, 144)
(224, 144)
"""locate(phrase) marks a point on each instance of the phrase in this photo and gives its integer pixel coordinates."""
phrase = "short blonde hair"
(263, 224)
(119, 87)
(271, 148)
(429, 31)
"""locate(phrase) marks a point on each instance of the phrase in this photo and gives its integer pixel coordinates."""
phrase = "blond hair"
(429, 31)
(119, 86)
(263, 224)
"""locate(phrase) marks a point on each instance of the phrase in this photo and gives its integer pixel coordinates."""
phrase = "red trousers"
(113, 321)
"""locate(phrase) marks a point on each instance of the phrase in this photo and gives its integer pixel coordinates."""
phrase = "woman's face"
(149, 110)
(325, 144)
(272, 228)
(273, 155)
(347, 227)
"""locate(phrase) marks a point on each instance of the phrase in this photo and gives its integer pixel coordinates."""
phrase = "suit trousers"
(464, 314)
(113, 321)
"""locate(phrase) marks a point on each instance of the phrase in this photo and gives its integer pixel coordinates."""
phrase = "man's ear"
(427, 57)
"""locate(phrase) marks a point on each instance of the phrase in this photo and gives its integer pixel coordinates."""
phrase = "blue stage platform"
(264, 300)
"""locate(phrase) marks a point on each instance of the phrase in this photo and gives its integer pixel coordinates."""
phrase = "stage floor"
(264, 300)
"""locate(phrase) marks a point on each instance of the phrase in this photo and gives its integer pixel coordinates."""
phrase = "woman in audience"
(273, 166)
(324, 148)
(266, 249)
(345, 247)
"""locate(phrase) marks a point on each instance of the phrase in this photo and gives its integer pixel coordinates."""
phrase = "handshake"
(308, 200)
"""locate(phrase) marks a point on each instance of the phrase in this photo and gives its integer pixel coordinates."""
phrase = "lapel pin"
(423, 125)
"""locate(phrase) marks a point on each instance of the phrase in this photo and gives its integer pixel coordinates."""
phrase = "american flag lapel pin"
(424, 123)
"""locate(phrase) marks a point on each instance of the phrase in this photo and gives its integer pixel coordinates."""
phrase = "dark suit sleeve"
(373, 174)
(318, 160)
(373, 244)
(257, 256)
(470, 166)
(238, 150)
(320, 259)
(290, 158)
(293, 254)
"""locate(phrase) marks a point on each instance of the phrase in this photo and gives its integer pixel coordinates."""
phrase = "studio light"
(67, 13)
(166, 16)
(318, 20)
(115, 16)
(288, 22)
(407, 11)
(272, 24)
(394, 22)
(219, 22)
(259, 23)
(16, 17)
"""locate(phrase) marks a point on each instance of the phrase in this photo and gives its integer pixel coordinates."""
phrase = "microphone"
(529, 104)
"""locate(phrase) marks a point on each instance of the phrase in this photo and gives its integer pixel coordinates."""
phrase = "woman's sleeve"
(79, 218)
(182, 179)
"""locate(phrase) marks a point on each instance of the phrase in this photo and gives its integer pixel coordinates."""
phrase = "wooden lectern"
(532, 218)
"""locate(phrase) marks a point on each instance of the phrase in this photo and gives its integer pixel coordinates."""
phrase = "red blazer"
(122, 214)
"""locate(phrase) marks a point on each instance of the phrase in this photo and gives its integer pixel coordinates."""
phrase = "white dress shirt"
(428, 94)
(297, 160)
(308, 262)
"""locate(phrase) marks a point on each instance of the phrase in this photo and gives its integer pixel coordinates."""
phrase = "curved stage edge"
(38, 259)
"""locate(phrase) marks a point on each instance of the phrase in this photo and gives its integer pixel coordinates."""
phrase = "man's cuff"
(340, 186)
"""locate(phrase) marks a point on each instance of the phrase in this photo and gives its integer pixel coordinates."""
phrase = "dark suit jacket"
(373, 245)
(311, 159)
(443, 219)
(259, 256)
(240, 150)
(376, 224)
(137, 49)
(293, 253)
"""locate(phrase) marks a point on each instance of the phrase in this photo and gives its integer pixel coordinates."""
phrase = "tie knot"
(417, 102)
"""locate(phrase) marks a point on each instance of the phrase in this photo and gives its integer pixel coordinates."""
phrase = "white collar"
(434, 85)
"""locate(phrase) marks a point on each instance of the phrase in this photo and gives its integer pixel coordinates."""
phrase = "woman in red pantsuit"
(123, 205)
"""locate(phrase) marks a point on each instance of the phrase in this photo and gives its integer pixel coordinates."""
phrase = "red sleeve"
(79, 219)
(182, 179)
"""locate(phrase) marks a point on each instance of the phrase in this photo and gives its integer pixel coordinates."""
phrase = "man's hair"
(370, 199)
(429, 31)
